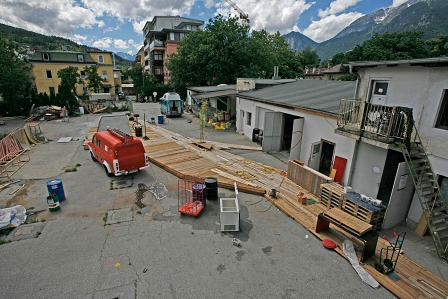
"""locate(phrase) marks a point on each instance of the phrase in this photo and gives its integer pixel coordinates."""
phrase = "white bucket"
(81, 110)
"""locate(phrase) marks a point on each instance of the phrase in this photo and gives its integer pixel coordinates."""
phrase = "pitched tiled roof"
(62, 56)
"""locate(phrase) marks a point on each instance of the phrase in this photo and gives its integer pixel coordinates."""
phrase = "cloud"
(329, 26)
(336, 7)
(105, 42)
(396, 3)
(138, 26)
(273, 15)
(120, 44)
(52, 17)
(209, 3)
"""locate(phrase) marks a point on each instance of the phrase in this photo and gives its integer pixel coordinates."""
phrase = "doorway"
(321, 157)
(393, 159)
(288, 127)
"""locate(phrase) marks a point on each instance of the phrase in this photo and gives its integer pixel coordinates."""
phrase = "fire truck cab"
(118, 152)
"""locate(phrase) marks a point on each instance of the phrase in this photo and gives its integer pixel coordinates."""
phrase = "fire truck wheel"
(107, 172)
(93, 157)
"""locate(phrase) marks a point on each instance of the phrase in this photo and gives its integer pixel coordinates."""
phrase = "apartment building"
(161, 37)
(46, 65)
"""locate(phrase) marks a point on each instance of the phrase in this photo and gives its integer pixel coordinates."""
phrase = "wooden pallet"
(347, 222)
(330, 195)
(364, 211)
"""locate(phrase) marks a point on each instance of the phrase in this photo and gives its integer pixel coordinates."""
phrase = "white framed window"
(49, 74)
(378, 92)
(171, 35)
(158, 55)
(104, 74)
(181, 35)
(116, 75)
(80, 58)
(249, 119)
(158, 70)
(194, 27)
(188, 27)
(46, 56)
(442, 116)
(83, 74)
(100, 59)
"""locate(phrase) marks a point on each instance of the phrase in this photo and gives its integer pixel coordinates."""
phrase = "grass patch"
(38, 234)
(105, 218)
(73, 169)
(30, 220)
(4, 241)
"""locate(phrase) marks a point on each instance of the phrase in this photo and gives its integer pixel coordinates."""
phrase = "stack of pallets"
(331, 195)
(353, 205)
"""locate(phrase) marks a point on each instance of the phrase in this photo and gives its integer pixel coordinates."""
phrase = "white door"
(272, 134)
(316, 152)
(296, 140)
(400, 198)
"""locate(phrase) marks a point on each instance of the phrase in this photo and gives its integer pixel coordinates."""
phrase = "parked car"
(171, 104)
(121, 95)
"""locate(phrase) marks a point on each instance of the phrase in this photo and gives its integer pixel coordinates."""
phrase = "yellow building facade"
(46, 65)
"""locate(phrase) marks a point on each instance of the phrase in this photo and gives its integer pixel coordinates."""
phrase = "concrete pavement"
(156, 253)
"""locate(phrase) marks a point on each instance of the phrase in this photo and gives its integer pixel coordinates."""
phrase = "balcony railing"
(385, 123)
(155, 43)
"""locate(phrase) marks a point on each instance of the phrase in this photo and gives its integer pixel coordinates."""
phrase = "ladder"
(428, 191)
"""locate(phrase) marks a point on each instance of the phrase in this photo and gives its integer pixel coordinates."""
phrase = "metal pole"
(144, 122)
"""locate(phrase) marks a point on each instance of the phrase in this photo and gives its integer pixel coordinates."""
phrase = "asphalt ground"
(153, 251)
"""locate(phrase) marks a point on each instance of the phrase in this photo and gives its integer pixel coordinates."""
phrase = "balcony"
(147, 57)
(155, 44)
(385, 124)
(146, 47)
(147, 67)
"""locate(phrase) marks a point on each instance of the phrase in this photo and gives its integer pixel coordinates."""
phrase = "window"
(194, 27)
(51, 90)
(158, 70)
(171, 35)
(380, 88)
(442, 118)
(45, 56)
(84, 90)
(443, 184)
(100, 59)
(80, 58)
(188, 27)
(378, 92)
(116, 75)
(83, 74)
(249, 119)
(158, 55)
(181, 35)
(104, 74)
(49, 74)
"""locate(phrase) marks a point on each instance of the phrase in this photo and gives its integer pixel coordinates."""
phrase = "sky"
(116, 25)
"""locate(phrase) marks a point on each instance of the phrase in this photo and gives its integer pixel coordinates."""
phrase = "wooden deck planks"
(168, 152)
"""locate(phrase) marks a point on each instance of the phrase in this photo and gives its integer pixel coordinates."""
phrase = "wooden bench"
(358, 228)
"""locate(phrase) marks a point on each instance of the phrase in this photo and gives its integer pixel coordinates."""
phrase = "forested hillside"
(38, 41)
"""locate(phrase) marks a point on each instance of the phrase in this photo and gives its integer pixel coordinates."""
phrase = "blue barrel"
(199, 193)
(160, 119)
(55, 187)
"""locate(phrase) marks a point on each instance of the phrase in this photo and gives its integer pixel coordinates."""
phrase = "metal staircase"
(428, 191)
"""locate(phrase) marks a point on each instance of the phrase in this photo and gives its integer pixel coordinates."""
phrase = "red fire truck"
(119, 152)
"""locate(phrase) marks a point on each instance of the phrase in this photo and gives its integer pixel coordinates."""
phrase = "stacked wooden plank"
(366, 212)
(53, 112)
(94, 108)
(331, 195)
(306, 177)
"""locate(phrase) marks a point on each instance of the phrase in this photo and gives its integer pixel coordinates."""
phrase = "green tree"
(390, 46)
(308, 57)
(67, 88)
(15, 78)
(438, 46)
(226, 50)
(145, 84)
(95, 81)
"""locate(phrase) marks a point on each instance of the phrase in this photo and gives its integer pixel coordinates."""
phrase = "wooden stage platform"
(177, 155)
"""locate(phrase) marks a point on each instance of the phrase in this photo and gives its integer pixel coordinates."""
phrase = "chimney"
(276, 77)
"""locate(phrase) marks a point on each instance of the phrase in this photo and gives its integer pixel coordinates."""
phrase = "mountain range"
(428, 16)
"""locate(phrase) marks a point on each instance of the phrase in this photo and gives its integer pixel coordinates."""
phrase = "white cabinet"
(230, 213)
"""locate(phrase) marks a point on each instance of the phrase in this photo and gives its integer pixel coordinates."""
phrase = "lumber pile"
(53, 112)
(94, 108)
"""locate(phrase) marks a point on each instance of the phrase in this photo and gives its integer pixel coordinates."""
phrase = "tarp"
(214, 94)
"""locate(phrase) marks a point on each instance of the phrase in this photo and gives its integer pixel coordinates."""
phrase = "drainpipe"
(358, 141)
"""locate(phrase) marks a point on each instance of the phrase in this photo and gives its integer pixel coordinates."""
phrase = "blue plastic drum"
(55, 187)
(160, 119)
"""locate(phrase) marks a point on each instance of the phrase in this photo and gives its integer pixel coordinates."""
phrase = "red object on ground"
(330, 244)
(339, 164)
